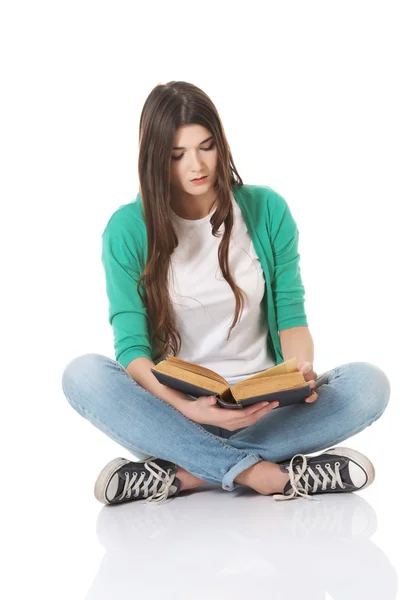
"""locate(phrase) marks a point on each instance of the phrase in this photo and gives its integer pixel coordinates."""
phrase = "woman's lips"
(201, 180)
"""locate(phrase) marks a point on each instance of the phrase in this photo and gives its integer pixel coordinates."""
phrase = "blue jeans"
(350, 398)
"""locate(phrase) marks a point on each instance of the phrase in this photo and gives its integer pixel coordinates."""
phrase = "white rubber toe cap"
(357, 474)
(112, 487)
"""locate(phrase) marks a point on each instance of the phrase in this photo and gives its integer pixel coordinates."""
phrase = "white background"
(308, 93)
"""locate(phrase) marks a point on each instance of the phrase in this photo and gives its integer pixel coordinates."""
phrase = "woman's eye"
(206, 149)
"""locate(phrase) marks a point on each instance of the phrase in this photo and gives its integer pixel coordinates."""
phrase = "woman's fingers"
(257, 407)
(311, 398)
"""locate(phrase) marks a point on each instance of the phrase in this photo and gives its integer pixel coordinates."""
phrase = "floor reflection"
(229, 545)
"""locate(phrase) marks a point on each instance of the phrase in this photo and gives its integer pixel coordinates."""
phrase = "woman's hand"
(206, 411)
(311, 377)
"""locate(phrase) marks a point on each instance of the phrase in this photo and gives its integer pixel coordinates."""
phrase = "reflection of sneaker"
(122, 480)
(350, 519)
(334, 470)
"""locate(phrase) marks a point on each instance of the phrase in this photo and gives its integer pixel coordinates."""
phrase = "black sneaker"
(122, 480)
(334, 470)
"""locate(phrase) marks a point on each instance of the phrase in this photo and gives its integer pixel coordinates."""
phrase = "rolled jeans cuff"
(246, 462)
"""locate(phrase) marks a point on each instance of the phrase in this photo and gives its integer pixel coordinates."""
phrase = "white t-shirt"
(204, 304)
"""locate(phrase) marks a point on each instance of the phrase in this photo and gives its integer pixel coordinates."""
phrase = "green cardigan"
(274, 233)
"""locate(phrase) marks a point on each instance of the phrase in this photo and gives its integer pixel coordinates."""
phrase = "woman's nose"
(196, 164)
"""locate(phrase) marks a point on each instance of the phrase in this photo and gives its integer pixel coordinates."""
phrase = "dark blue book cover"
(284, 397)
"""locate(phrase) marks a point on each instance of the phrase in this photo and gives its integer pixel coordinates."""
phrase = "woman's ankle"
(264, 477)
(188, 481)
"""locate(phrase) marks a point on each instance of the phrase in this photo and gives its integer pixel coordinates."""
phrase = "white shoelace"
(306, 472)
(132, 487)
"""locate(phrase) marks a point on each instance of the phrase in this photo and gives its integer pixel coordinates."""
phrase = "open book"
(283, 382)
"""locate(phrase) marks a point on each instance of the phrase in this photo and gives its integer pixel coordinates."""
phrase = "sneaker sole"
(358, 458)
(104, 478)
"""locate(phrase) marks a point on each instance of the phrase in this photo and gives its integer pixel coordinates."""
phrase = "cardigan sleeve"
(127, 314)
(287, 286)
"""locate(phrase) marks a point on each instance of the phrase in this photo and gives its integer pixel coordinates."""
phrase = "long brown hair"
(167, 108)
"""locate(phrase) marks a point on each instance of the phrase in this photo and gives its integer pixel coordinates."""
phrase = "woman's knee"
(81, 372)
(81, 366)
(375, 385)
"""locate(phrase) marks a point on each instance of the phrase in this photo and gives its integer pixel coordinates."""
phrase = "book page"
(257, 387)
(193, 368)
(189, 377)
(288, 366)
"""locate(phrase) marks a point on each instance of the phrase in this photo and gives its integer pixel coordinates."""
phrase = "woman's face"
(197, 157)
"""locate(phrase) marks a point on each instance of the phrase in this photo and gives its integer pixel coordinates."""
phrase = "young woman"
(206, 268)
